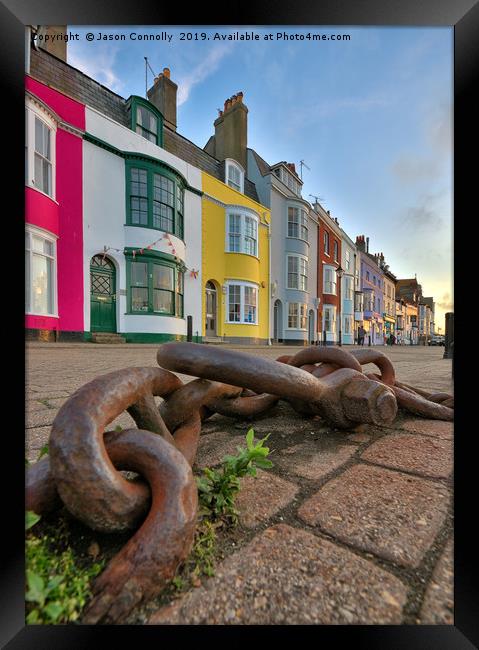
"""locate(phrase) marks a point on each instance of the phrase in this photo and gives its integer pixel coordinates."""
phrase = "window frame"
(302, 223)
(242, 284)
(33, 112)
(134, 103)
(330, 310)
(152, 258)
(178, 186)
(230, 162)
(336, 250)
(242, 236)
(298, 316)
(326, 242)
(300, 259)
(50, 237)
(348, 287)
(333, 281)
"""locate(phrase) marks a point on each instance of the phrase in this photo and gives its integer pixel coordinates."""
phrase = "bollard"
(189, 329)
(449, 337)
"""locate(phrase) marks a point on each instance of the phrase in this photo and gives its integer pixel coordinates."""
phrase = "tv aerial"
(301, 165)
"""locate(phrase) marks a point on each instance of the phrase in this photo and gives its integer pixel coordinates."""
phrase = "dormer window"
(235, 175)
(146, 120)
(146, 124)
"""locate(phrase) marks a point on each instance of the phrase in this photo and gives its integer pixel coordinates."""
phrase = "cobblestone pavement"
(346, 528)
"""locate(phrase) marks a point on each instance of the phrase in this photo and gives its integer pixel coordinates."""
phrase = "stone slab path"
(346, 528)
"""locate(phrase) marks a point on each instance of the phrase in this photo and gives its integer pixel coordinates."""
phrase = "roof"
(263, 166)
(48, 69)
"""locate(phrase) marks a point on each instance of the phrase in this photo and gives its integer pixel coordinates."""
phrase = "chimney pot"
(163, 95)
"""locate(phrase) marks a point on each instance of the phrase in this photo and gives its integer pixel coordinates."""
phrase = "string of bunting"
(193, 272)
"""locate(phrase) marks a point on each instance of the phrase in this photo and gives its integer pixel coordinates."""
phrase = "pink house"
(54, 125)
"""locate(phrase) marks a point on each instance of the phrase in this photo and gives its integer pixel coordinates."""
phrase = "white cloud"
(98, 65)
(202, 71)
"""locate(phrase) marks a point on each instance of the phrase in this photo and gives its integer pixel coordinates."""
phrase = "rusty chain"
(83, 469)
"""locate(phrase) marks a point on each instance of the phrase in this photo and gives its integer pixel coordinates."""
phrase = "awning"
(389, 319)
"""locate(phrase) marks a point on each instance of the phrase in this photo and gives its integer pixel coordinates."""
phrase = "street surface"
(346, 528)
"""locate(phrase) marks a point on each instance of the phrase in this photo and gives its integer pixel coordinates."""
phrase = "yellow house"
(235, 265)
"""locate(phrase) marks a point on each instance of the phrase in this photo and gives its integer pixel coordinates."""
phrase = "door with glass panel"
(102, 295)
(210, 329)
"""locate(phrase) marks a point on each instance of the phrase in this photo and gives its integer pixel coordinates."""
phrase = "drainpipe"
(269, 281)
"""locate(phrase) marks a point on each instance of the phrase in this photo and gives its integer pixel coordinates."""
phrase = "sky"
(371, 117)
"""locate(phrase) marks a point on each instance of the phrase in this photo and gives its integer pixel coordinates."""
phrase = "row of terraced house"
(135, 232)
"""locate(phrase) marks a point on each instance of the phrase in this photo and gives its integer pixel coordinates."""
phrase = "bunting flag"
(193, 272)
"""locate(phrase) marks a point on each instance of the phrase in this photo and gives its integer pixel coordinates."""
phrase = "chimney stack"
(163, 95)
(367, 244)
(54, 45)
(360, 243)
(231, 131)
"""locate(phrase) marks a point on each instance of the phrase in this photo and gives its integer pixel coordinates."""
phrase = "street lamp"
(340, 273)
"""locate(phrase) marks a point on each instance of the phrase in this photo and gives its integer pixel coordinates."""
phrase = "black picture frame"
(463, 15)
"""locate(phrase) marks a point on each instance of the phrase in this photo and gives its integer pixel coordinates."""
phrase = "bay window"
(297, 223)
(329, 282)
(241, 232)
(242, 303)
(358, 301)
(155, 286)
(297, 315)
(297, 273)
(40, 273)
(155, 199)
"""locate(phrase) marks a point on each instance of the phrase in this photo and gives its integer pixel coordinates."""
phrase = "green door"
(102, 295)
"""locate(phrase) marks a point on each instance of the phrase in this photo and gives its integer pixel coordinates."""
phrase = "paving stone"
(262, 496)
(37, 437)
(438, 606)
(57, 401)
(314, 459)
(395, 516)
(436, 428)
(359, 437)
(214, 446)
(40, 418)
(34, 406)
(427, 456)
(289, 576)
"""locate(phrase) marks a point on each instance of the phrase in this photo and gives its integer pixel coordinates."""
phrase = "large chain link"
(83, 470)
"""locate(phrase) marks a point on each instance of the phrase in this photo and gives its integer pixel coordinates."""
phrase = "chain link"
(83, 469)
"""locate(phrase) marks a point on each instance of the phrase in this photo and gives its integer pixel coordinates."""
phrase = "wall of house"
(327, 260)
(62, 215)
(347, 305)
(220, 266)
(105, 227)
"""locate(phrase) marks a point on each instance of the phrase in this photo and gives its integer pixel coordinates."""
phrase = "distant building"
(349, 285)
(430, 302)
(294, 241)
(329, 287)
(389, 298)
(371, 284)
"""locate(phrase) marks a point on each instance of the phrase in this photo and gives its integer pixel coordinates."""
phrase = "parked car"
(437, 340)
